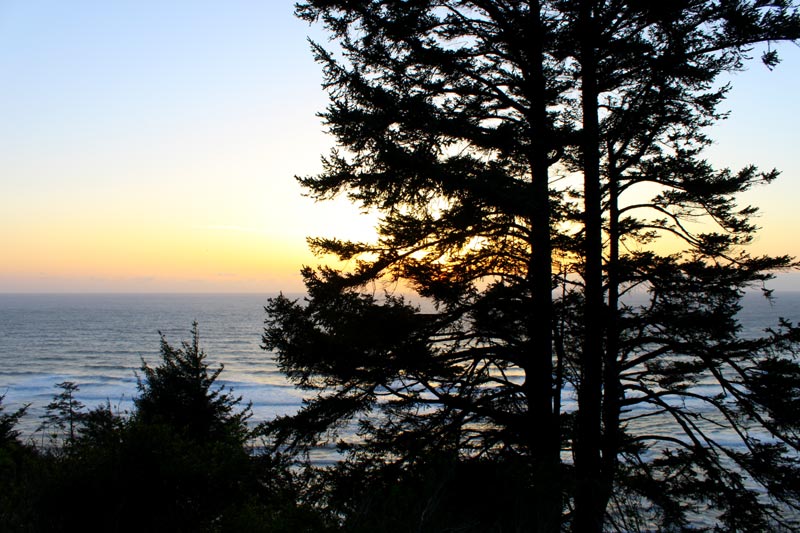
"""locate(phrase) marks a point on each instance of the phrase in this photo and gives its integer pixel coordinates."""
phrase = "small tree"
(8, 423)
(63, 414)
(180, 393)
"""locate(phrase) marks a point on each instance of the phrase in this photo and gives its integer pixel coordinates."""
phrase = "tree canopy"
(180, 392)
(532, 162)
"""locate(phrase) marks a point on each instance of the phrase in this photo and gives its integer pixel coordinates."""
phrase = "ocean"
(99, 341)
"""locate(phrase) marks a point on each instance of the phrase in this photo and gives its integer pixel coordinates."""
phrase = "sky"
(150, 146)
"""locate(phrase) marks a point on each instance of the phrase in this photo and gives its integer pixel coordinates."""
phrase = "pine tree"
(643, 125)
(64, 414)
(181, 393)
(8, 422)
(496, 139)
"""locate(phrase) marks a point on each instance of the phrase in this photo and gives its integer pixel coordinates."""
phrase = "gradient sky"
(150, 146)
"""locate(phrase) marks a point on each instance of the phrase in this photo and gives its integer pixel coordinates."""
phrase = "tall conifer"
(497, 139)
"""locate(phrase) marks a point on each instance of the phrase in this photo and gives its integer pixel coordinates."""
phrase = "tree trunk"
(543, 424)
(589, 500)
(612, 388)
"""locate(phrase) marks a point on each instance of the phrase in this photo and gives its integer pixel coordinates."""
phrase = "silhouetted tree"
(16, 509)
(181, 393)
(648, 91)
(63, 414)
(181, 455)
(8, 423)
(495, 139)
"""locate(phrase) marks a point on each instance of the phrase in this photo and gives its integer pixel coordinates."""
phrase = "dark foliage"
(62, 415)
(180, 393)
(440, 493)
(17, 473)
(8, 422)
(514, 148)
(180, 462)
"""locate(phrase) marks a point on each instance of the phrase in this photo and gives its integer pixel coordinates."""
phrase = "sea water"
(99, 341)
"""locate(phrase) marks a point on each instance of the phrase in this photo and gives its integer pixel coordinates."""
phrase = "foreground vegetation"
(181, 461)
(186, 460)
